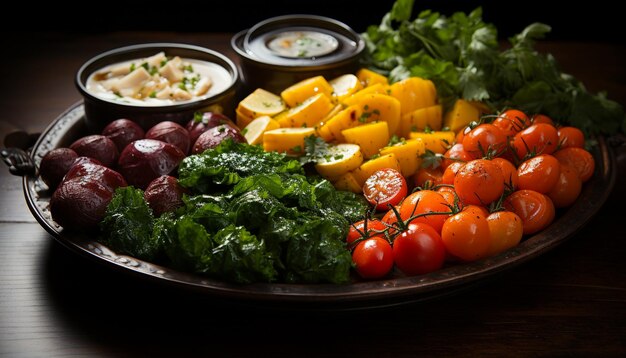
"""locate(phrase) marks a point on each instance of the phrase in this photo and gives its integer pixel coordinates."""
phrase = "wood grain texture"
(55, 303)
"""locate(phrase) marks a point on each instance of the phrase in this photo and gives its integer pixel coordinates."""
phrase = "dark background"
(581, 21)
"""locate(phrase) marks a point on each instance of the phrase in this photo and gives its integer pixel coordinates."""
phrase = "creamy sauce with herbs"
(158, 81)
(298, 44)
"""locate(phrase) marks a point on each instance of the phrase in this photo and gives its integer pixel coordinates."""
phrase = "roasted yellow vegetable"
(307, 114)
(408, 154)
(286, 140)
(369, 167)
(299, 92)
(331, 129)
(348, 182)
(370, 137)
(339, 160)
(253, 132)
(437, 142)
(241, 119)
(377, 88)
(345, 86)
(369, 77)
(419, 119)
(414, 93)
(462, 113)
(260, 103)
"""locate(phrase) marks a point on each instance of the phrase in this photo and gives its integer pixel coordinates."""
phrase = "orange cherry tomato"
(511, 122)
(422, 202)
(356, 230)
(419, 250)
(535, 209)
(579, 159)
(506, 231)
(509, 173)
(466, 234)
(430, 175)
(539, 138)
(385, 187)
(479, 182)
(455, 154)
(449, 194)
(373, 257)
(539, 173)
(567, 188)
(571, 137)
(483, 140)
(542, 118)
(450, 172)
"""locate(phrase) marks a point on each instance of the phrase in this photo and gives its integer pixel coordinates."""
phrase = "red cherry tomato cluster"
(499, 181)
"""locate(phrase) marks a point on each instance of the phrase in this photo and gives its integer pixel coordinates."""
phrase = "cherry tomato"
(425, 201)
(385, 187)
(509, 173)
(571, 137)
(506, 230)
(511, 122)
(455, 154)
(542, 118)
(390, 219)
(539, 138)
(450, 172)
(357, 228)
(479, 182)
(466, 234)
(431, 175)
(373, 257)
(539, 173)
(579, 159)
(567, 188)
(535, 209)
(461, 134)
(418, 250)
(449, 194)
(483, 140)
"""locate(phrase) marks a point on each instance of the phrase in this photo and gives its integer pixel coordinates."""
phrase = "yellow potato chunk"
(253, 132)
(242, 120)
(348, 182)
(370, 137)
(261, 103)
(369, 167)
(339, 160)
(408, 154)
(377, 88)
(368, 77)
(331, 129)
(438, 142)
(461, 114)
(414, 93)
(307, 114)
(299, 92)
(286, 140)
(420, 119)
(345, 85)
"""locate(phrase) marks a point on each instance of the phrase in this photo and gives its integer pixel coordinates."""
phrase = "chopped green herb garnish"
(296, 149)
(132, 67)
(153, 94)
(197, 117)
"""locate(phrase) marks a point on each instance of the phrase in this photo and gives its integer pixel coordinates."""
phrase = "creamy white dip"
(158, 81)
(298, 44)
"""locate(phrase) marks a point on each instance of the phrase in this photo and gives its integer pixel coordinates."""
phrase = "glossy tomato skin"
(455, 154)
(509, 172)
(385, 187)
(540, 173)
(540, 138)
(571, 137)
(374, 226)
(484, 139)
(506, 230)
(479, 182)
(418, 250)
(541, 118)
(425, 201)
(466, 234)
(427, 176)
(579, 159)
(567, 188)
(373, 257)
(535, 209)
(450, 172)
(511, 122)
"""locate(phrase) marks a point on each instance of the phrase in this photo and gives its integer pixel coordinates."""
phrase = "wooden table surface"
(55, 303)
